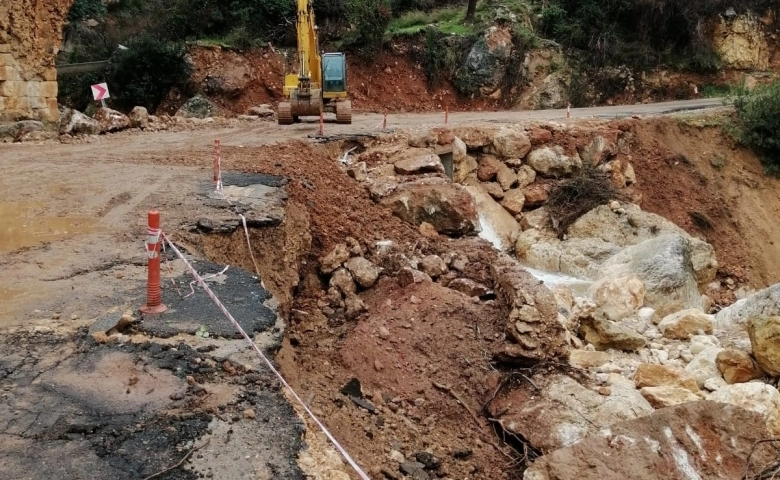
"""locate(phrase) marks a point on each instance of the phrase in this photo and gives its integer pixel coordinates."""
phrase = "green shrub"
(758, 123)
(84, 9)
(145, 72)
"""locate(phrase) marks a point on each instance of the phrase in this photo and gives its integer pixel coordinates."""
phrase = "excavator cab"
(334, 74)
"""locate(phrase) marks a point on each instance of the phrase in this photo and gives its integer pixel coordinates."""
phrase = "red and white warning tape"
(268, 363)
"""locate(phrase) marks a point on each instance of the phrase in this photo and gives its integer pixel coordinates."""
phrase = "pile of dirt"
(237, 81)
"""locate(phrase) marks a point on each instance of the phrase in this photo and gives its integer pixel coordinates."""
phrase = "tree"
(471, 10)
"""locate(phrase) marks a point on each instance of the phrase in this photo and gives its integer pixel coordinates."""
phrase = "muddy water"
(21, 227)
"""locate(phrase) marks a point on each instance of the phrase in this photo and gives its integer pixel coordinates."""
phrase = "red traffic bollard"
(216, 160)
(153, 289)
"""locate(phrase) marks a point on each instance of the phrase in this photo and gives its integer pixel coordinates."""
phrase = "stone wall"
(30, 37)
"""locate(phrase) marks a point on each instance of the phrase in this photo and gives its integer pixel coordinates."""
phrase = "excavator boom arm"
(308, 45)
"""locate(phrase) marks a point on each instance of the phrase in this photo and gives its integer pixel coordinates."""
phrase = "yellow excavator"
(320, 85)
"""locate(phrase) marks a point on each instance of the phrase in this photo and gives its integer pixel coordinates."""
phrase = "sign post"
(100, 93)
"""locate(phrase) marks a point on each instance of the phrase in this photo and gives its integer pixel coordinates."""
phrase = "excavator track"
(344, 112)
(284, 113)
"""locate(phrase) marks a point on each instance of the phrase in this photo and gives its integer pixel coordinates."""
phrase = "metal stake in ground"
(447, 115)
(216, 160)
(322, 125)
(154, 303)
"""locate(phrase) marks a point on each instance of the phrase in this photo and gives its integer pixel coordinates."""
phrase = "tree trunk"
(471, 10)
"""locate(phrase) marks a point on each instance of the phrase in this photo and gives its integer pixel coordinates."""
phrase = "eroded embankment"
(420, 319)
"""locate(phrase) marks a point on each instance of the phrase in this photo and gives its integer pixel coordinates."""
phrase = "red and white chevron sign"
(100, 91)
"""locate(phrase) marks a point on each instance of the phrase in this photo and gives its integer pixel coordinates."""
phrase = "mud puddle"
(23, 227)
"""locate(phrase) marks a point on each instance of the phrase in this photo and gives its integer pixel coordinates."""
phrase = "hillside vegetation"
(602, 45)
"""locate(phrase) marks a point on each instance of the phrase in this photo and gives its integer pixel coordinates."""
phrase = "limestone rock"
(765, 302)
(765, 339)
(354, 306)
(139, 118)
(587, 359)
(511, 143)
(605, 334)
(381, 189)
(664, 265)
(525, 176)
(489, 167)
(476, 136)
(662, 397)
(494, 190)
(737, 366)
(703, 367)
(756, 397)
(513, 201)
(618, 297)
(463, 164)
(358, 171)
(197, 107)
(262, 111)
(486, 62)
(73, 122)
(342, 280)
(334, 259)
(111, 120)
(699, 343)
(670, 443)
(407, 276)
(572, 411)
(433, 265)
(552, 162)
(533, 316)
(741, 42)
(536, 194)
(685, 324)
(448, 207)
(429, 163)
(506, 177)
(364, 272)
(597, 151)
(469, 287)
(650, 375)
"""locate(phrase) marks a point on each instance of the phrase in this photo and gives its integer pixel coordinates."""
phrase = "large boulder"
(363, 271)
(597, 151)
(703, 366)
(262, 111)
(618, 297)
(463, 164)
(511, 143)
(197, 107)
(560, 411)
(663, 397)
(664, 265)
(139, 118)
(762, 303)
(73, 122)
(757, 397)
(485, 64)
(605, 334)
(650, 375)
(699, 440)
(448, 207)
(737, 366)
(476, 136)
(488, 168)
(428, 163)
(111, 120)
(685, 324)
(552, 162)
(532, 320)
(765, 339)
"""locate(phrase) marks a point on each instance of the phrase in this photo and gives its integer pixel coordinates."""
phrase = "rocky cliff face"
(30, 36)
(741, 41)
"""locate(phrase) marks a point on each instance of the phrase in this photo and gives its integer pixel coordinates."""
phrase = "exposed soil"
(421, 353)
(391, 81)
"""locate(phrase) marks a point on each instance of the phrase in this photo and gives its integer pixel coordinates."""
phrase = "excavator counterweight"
(320, 85)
